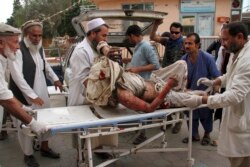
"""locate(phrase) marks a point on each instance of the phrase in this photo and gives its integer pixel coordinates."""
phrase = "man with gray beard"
(28, 83)
(8, 47)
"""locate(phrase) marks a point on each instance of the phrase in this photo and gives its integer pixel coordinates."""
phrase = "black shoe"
(30, 161)
(3, 135)
(194, 139)
(141, 138)
(103, 155)
(50, 154)
(176, 129)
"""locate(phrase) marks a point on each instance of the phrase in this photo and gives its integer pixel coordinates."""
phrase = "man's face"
(190, 45)
(175, 33)
(35, 34)
(10, 46)
(131, 38)
(230, 43)
(100, 36)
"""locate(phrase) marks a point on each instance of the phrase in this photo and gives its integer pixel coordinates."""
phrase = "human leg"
(207, 124)
(3, 133)
(177, 126)
(195, 134)
(239, 161)
(26, 143)
(48, 152)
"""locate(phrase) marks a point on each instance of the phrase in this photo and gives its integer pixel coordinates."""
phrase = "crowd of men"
(185, 67)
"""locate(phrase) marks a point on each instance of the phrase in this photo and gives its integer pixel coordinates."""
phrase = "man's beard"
(94, 44)
(32, 47)
(9, 53)
(234, 48)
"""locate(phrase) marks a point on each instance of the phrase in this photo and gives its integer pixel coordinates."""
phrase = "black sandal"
(206, 140)
(141, 138)
(185, 140)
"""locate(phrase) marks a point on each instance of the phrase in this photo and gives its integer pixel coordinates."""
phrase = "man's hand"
(205, 81)
(158, 22)
(132, 69)
(28, 109)
(59, 85)
(38, 101)
(38, 127)
(209, 83)
(192, 101)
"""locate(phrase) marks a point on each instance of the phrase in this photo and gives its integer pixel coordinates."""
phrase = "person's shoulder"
(206, 54)
(145, 42)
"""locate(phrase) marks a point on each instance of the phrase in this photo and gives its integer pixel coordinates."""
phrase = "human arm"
(50, 74)
(154, 36)
(144, 59)
(16, 71)
(238, 90)
(149, 67)
(211, 47)
(13, 106)
(80, 64)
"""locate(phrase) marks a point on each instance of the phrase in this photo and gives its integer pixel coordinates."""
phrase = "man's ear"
(1, 43)
(240, 36)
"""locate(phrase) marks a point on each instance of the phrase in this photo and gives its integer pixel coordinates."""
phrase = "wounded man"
(109, 84)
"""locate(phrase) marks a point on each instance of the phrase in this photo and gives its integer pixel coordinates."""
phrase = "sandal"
(194, 139)
(141, 138)
(206, 140)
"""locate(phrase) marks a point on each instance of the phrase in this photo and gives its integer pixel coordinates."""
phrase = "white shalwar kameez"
(80, 63)
(39, 89)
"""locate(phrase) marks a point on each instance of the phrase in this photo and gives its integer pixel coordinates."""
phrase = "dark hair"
(176, 25)
(165, 34)
(197, 37)
(134, 29)
(97, 29)
(236, 27)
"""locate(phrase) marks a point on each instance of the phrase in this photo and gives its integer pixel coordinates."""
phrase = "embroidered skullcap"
(92, 24)
(30, 23)
(7, 30)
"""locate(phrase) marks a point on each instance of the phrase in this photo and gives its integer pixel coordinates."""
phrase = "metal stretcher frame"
(86, 125)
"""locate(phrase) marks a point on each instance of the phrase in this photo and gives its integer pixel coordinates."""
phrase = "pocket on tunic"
(239, 123)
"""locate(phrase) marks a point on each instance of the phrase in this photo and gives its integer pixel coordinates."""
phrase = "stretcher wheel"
(36, 144)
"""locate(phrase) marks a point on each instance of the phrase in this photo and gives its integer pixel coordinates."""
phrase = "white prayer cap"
(30, 23)
(7, 30)
(92, 24)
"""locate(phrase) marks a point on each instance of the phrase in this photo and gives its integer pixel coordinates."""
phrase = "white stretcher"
(109, 121)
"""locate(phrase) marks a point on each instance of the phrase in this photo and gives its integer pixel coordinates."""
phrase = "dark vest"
(29, 71)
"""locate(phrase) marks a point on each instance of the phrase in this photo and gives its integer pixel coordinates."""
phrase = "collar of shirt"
(2, 58)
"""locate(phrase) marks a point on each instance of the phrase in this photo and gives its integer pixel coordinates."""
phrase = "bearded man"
(8, 48)
(82, 59)
(28, 83)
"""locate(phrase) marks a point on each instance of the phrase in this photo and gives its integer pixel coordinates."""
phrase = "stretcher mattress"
(63, 119)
